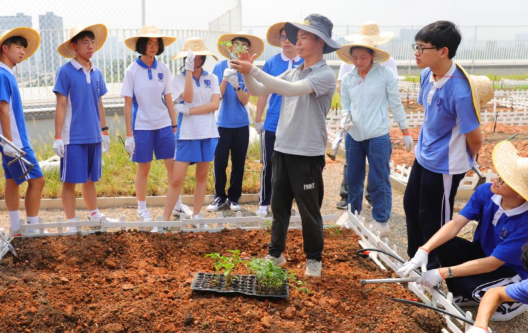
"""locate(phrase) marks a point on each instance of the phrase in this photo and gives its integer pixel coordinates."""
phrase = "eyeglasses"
(283, 38)
(420, 49)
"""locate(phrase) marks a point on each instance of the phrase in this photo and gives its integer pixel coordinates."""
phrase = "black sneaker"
(216, 204)
(342, 204)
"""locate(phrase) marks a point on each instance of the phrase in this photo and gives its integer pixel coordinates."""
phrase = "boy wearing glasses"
(449, 139)
(494, 257)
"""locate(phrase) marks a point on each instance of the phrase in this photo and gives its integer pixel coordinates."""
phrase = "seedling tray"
(242, 284)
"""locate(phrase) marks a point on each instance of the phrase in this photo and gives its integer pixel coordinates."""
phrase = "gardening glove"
(58, 146)
(420, 258)
(106, 143)
(182, 108)
(231, 76)
(430, 279)
(475, 329)
(189, 61)
(259, 127)
(130, 145)
(345, 123)
(409, 144)
(8, 150)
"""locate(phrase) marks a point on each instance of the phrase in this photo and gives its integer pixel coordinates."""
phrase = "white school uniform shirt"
(200, 126)
(148, 87)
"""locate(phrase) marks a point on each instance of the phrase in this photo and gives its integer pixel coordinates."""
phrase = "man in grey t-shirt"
(298, 160)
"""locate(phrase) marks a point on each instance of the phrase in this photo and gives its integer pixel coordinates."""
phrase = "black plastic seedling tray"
(242, 284)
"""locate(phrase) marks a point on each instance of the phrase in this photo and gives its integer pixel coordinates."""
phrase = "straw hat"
(481, 89)
(31, 35)
(197, 45)
(511, 167)
(99, 30)
(366, 42)
(149, 31)
(370, 29)
(273, 35)
(257, 44)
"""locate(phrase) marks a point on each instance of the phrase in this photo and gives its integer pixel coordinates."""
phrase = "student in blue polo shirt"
(80, 122)
(17, 45)
(233, 123)
(494, 257)
(450, 136)
(197, 97)
(149, 112)
(275, 66)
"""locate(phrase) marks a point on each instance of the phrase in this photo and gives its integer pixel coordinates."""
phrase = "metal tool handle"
(395, 280)
(19, 156)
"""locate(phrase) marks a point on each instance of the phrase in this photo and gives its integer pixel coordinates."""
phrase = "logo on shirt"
(207, 83)
(504, 233)
(160, 77)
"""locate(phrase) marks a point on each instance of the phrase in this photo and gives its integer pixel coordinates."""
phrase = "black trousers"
(300, 178)
(428, 204)
(236, 141)
(267, 170)
(458, 251)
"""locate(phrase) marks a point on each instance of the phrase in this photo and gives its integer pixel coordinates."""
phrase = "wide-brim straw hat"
(31, 35)
(366, 42)
(511, 167)
(481, 89)
(149, 31)
(370, 29)
(257, 44)
(99, 30)
(197, 45)
(316, 24)
(273, 35)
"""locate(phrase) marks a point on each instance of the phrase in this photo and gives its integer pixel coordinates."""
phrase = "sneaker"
(262, 211)
(383, 228)
(100, 217)
(342, 204)
(280, 261)
(234, 206)
(508, 311)
(216, 204)
(197, 216)
(156, 229)
(145, 213)
(14, 233)
(182, 210)
(462, 301)
(313, 268)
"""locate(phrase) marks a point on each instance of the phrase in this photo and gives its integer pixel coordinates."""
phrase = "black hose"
(434, 308)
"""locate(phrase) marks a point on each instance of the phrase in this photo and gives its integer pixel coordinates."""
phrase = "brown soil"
(140, 282)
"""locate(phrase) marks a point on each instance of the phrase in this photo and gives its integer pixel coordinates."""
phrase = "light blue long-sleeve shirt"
(368, 101)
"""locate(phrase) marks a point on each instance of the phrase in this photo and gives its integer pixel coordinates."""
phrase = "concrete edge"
(464, 194)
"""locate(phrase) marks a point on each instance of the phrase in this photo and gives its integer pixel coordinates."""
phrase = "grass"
(119, 173)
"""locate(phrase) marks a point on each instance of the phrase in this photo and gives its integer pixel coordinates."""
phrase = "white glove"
(409, 144)
(430, 279)
(475, 329)
(58, 146)
(259, 127)
(106, 143)
(231, 76)
(345, 123)
(8, 150)
(182, 108)
(130, 145)
(420, 258)
(189, 61)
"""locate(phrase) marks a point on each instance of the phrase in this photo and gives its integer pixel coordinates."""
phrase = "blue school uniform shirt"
(275, 66)
(501, 233)
(83, 90)
(232, 113)
(448, 116)
(518, 291)
(10, 94)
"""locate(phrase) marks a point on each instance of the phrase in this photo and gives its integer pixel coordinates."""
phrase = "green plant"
(267, 225)
(240, 48)
(271, 276)
(335, 229)
(226, 265)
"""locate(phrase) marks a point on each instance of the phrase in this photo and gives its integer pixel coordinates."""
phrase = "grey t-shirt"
(302, 126)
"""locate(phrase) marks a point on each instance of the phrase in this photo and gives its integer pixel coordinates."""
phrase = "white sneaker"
(182, 209)
(197, 216)
(98, 218)
(262, 211)
(234, 206)
(313, 268)
(280, 261)
(383, 228)
(145, 213)
(216, 204)
(508, 311)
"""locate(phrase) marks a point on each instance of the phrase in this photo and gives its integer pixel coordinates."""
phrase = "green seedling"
(272, 277)
(240, 48)
(226, 265)
(267, 225)
(335, 229)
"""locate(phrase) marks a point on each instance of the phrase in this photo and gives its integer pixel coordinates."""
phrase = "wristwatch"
(450, 273)
(238, 88)
(104, 129)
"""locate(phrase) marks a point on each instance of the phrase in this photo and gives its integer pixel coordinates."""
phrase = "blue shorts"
(149, 142)
(17, 169)
(81, 163)
(195, 151)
